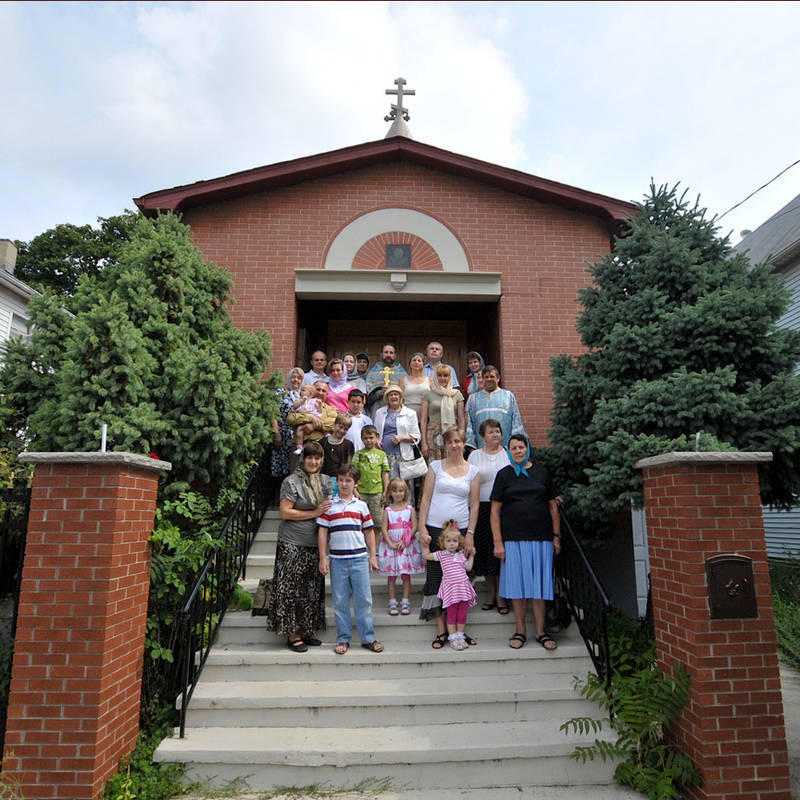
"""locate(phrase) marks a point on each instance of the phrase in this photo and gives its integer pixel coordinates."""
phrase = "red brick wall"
(76, 678)
(733, 726)
(542, 251)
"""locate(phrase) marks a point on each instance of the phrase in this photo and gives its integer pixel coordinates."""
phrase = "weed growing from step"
(368, 789)
(640, 703)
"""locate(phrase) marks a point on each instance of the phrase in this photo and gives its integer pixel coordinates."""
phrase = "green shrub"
(139, 778)
(641, 702)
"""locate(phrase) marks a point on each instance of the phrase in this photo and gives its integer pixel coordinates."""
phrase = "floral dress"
(280, 455)
(407, 561)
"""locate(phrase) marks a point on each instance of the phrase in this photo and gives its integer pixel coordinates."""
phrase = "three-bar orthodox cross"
(397, 108)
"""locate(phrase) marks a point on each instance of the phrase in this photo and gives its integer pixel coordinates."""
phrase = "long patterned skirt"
(297, 605)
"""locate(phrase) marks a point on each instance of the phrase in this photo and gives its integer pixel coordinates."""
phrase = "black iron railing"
(14, 507)
(586, 598)
(205, 607)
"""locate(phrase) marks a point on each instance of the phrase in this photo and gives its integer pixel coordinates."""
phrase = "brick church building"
(396, 240)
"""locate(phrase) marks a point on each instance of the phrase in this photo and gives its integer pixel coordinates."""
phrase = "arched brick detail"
(372, 254)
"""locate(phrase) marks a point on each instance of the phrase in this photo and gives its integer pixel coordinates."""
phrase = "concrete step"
(485, 754)
(365, 703)
(240, 627)
(401, 661)
(375, 791)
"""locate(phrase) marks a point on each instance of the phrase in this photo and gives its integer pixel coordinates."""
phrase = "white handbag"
(414, 467)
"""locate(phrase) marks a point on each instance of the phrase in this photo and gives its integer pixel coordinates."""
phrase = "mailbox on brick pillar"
(712, 614)
(73, 707)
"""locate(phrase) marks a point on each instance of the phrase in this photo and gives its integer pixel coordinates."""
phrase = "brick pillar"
(701, 505)
(76, 678)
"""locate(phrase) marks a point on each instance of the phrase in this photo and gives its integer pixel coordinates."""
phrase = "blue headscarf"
(519, 469)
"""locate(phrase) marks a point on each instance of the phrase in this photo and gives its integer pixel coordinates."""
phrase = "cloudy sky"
(103, 102)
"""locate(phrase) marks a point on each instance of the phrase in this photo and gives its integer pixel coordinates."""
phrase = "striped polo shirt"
(346, 522)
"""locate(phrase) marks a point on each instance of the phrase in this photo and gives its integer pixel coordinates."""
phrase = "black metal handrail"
(14, 508)
(586, 598)
(208, 600)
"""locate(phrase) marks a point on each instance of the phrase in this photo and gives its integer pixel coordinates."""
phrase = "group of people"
(345, 510)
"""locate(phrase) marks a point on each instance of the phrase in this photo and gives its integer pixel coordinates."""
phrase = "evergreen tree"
(152, 353)
(681, 338)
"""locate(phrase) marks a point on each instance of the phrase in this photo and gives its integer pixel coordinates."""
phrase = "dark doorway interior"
(364, 326)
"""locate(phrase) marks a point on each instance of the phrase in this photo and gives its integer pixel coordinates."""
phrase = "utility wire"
(786, 169)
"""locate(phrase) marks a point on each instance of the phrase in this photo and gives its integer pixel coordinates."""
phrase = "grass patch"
(785, 577)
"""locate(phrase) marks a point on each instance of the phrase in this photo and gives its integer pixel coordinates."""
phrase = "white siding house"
(777, 242)
(14, 296)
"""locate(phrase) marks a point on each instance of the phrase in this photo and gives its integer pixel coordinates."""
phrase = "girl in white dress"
(399, 553)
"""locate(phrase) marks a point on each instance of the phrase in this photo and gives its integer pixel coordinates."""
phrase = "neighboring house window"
(19, 327)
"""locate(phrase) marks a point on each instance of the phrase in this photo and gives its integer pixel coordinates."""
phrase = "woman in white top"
(417, 384)
(451, 491)
(489, 460)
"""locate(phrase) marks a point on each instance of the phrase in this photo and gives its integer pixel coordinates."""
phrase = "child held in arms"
(338, 450)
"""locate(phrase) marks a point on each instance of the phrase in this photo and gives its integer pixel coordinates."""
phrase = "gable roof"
(286, 173)
(777, 240)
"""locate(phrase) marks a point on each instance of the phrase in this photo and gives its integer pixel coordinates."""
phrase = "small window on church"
(398, 256)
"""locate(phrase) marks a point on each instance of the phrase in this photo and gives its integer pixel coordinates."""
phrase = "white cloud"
(111, 100)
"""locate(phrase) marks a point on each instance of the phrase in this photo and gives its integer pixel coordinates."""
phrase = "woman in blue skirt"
(526, 533)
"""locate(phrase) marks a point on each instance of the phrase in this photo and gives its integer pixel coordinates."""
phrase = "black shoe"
(311, 641)
(297, 646)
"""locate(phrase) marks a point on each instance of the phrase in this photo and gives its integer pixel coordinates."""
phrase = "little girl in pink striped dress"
(399, 553)
(456, 590)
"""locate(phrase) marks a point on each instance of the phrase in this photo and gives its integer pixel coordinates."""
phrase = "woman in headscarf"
(442, 408)
(297, 604)
(282, 445)
(338, 385)
(350, 366)
(526, 530)
(473, 379)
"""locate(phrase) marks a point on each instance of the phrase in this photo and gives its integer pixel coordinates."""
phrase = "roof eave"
(307, 168)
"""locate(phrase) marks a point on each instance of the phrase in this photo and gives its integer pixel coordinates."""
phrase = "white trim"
(381, 284)
(354, 236)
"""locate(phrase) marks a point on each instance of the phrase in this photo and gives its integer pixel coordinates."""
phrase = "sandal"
(341, 648)
(375, 646)
(297, 646)
(488, 606)
(469, 640)
(517, 637)
(393, 612)
(439, 641)
(503, 610)
(405, 607)
(545, 639)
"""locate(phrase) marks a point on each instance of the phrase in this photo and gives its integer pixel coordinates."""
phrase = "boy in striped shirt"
(347, 530)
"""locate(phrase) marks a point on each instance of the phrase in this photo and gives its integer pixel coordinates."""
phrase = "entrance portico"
(494, 258)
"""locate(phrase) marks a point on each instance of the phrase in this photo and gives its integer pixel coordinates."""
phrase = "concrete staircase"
(411, 718)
